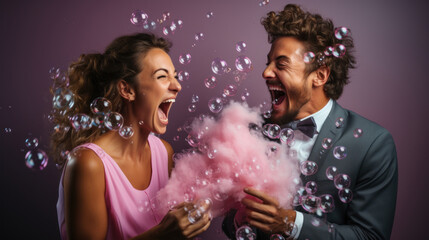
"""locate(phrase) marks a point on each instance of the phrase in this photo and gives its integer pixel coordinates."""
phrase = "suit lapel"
(329, 130)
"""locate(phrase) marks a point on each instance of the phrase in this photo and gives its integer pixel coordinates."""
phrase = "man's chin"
(281, 118)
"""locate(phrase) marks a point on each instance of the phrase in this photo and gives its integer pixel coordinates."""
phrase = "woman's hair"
(317, 34)
(96, 75)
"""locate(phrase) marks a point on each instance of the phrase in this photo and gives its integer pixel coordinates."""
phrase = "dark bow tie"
(307, 126)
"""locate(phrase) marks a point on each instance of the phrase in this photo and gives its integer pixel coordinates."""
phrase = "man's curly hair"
(317, 34)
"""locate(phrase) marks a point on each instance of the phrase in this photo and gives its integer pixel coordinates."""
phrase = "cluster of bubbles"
(35, 158)
(140, 18)
(338, 50)
(199, 209)
(306, 195)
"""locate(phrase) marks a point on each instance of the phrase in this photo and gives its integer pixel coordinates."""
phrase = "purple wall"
(388, 85)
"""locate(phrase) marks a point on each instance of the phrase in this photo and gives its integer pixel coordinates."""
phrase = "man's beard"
(286, 118)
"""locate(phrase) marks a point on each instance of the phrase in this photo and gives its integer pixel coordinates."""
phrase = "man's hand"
(264, 212)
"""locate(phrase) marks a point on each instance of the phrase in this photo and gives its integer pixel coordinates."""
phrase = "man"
(363, 153)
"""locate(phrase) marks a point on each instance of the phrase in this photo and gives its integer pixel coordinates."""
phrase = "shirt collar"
(321, 115)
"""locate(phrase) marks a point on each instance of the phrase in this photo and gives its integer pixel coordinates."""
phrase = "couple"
(109, 177)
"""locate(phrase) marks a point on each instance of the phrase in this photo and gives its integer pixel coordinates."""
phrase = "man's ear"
(126, 91)
(321, 76)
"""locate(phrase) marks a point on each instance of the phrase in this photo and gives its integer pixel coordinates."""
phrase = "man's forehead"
(285, 46)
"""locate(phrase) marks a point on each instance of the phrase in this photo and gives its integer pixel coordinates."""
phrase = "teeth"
(275, 88)
(169, 101)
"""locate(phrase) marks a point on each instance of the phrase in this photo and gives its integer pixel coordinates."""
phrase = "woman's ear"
(126, 91)
(322, 76)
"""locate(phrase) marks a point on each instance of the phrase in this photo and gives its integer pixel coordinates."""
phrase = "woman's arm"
(84, 188)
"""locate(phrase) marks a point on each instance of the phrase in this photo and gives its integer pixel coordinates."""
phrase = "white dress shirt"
(301, 149)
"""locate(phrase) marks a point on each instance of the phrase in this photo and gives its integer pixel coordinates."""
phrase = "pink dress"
(130, 211)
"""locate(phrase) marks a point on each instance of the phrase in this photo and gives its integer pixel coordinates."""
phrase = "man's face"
(290, 88)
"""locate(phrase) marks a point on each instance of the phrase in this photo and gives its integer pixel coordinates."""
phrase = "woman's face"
(156, 91)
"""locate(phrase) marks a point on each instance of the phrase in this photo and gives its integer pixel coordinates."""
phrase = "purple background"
(387, 87)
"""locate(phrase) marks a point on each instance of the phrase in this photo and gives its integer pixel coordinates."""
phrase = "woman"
(109, 181)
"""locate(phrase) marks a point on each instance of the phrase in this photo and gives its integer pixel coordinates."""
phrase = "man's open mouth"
(278, 94)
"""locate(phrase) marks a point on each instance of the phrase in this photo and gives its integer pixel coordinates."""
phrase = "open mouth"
(278, 94)
(163, 110)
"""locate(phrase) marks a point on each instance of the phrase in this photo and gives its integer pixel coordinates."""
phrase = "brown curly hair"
(96, 75)
(317, 34)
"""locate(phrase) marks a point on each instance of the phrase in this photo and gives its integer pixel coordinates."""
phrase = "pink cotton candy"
(242, 158)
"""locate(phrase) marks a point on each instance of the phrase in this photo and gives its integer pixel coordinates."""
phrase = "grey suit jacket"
(371, 163)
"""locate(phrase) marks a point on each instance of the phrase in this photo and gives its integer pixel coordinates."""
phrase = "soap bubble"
(209, 14)
(342, 181)
(193, 139)
(204, 205)
(357, 133)
(210, 82)
(126, 132)
(329, 51)
(31, 142)
(166, 16)
(183, 76)
(138, 18)
(219, 66)
(339, 122)
(326, 203)
(98, 121)
(339, 50)
(166, 30)
(101, 105)
(192, 107)
(199, 36)
(341, 32)
(240, 46)
(345, 195)
(185, 58)
(230, 90)
(239, 76)
(340, 152)
(215, 105)
(219, 193)
(245, 233)
(243, 63)
(327, 143)
(245, 94)
(308, 168)
(331, 172)
(274, 131)
(36, 159)
(114, 121)
(211, 153)
(81, 121)
(54, 72)
(310, 203)
(286, 135)
(277, 237)
(195, 98)
(309, 57)
(178, 23)
(63, 99)
(194, 215)
(311, 187)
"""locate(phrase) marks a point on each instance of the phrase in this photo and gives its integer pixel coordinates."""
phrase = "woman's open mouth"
(163, 110)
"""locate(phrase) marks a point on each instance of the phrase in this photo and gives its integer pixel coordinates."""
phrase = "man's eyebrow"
(283, 58)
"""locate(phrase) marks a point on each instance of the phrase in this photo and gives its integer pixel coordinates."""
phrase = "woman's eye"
(162, 76)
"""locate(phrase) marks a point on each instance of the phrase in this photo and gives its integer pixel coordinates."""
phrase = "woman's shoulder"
(84, 162)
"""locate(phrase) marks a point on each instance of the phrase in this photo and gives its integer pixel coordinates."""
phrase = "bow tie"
(307, 126)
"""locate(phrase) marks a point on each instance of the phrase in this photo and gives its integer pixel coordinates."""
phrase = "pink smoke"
(242, 158)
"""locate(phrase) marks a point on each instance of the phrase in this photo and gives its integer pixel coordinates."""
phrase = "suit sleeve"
(371, 212)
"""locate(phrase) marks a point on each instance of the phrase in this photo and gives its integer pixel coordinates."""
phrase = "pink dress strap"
(130, 211)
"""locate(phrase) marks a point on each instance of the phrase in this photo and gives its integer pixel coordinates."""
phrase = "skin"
(84, 185)
(304, 96)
